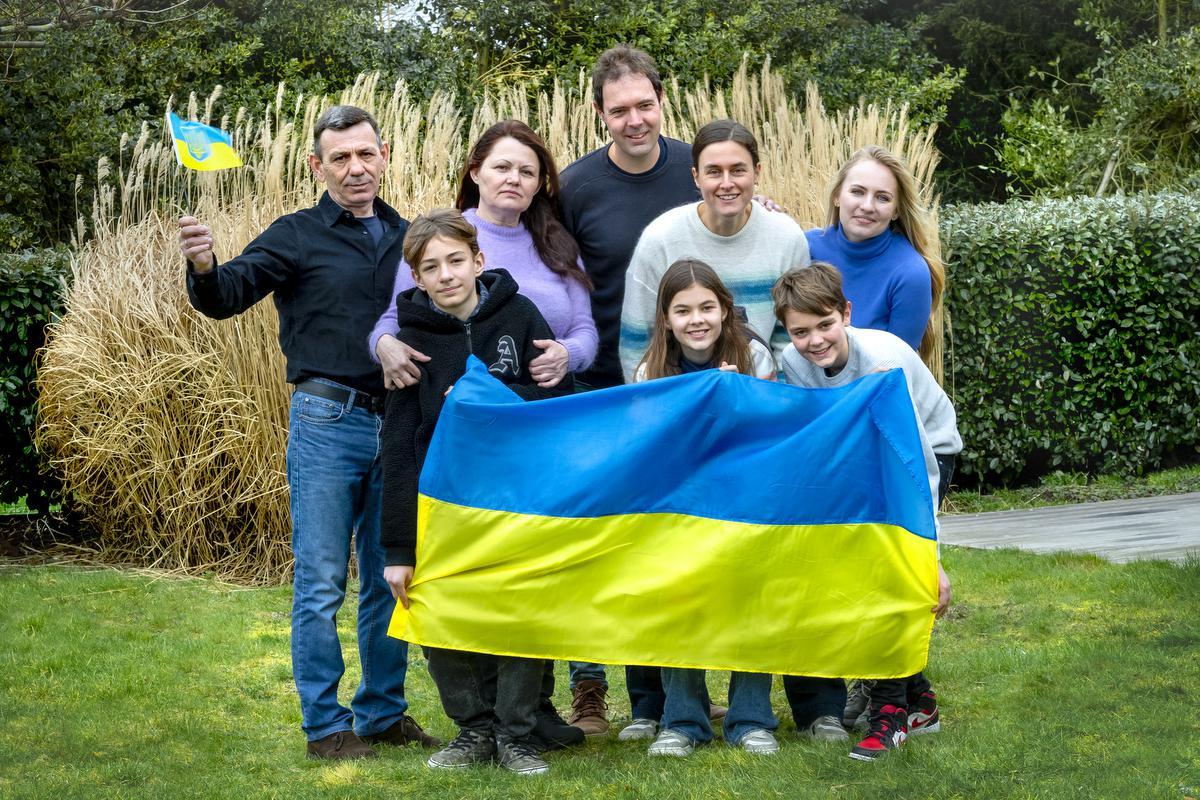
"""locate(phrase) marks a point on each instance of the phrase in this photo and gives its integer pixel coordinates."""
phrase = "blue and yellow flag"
(202, 147)
(708, 520)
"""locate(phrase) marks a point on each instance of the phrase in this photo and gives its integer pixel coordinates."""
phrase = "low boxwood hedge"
(31, 296)
(1074, 342)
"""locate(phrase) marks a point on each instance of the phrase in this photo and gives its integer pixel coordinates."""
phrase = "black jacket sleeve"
(527, 387)
(398, 443)
(268, 263)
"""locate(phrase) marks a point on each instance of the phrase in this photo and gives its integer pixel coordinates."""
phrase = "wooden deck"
(1118, 530)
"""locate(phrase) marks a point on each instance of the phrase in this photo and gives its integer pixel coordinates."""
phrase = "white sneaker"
(760, 742)
(672, 743)
(640, 728)
(826, 729)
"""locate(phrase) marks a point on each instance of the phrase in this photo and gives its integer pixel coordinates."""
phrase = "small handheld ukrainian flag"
(201, 147)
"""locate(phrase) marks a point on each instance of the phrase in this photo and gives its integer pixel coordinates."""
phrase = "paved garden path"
(1118, 530)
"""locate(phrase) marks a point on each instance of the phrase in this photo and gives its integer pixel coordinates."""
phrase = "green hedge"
(1075, 343)
(30, 296)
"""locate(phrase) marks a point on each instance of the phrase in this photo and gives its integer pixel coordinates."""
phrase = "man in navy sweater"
(608, 198)
(612, 193)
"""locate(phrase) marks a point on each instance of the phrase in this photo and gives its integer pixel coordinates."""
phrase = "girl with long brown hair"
(698, 327)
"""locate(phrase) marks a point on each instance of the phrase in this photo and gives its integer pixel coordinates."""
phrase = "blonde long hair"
(732, 346)
(913, 220)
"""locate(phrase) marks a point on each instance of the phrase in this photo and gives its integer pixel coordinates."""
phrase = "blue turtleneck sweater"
(884, 278)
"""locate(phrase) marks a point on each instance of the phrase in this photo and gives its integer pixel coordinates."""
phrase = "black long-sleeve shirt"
(330, 280)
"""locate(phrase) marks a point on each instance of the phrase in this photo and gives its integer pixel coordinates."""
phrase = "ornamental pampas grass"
(170, 428)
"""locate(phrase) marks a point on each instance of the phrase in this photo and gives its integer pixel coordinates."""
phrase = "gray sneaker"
(469, 747)
(760, 742)
(826, 729)
(672, 743)
(638, 729)
(857, 701)
(522, 758)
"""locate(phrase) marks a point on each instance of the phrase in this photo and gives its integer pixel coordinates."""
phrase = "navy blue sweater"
(606, 209)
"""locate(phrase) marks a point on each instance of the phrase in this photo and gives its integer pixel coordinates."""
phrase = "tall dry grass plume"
(171, 428)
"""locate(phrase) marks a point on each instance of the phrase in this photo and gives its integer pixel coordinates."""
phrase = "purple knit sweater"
(563, 301)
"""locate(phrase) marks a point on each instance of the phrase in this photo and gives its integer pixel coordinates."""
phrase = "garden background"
(1060, 139)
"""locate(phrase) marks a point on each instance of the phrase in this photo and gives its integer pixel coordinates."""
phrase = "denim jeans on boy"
(686, 708)
(646, 695)
(335, 478)
(486, 693)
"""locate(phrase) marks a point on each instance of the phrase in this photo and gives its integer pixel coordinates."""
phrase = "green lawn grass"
(1060, 677)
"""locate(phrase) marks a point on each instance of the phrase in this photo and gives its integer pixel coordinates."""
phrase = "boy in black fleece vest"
(457, 310)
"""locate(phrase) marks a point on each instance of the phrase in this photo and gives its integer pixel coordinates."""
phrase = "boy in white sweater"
(826, 352)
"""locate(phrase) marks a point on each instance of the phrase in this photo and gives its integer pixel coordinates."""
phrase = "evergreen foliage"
(1075, 334)
(31, 296)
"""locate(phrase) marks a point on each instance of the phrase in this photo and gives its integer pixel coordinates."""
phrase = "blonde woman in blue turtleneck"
(876, 235)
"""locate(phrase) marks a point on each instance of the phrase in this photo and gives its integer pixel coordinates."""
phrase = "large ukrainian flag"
(709, 520)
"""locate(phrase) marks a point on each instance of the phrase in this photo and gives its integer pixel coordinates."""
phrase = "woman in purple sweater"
(509, 192)
(879, 237)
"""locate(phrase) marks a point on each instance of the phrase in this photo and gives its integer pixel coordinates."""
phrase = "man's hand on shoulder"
(399, 362)
(196, 243)
(767, 203)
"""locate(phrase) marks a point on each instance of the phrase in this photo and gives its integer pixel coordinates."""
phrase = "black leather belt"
(340, 394)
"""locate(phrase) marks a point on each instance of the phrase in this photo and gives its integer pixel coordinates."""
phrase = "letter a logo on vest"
(507, 363)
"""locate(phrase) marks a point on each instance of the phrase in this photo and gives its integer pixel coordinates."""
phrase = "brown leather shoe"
(406, 731)
(716, 712)
(588, 708)
(340, 745)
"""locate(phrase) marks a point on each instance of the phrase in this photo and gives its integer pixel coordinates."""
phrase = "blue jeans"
(686, 708)
(336, 483)
(646, 695)
(587, 671)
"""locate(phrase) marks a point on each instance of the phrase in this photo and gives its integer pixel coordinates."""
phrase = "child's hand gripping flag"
(201, 147)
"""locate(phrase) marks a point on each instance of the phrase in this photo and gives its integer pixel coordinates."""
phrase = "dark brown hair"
(554, 245)
(815, 289)
(448, 223)
(617, 62)
(732, 346)
(724, 130)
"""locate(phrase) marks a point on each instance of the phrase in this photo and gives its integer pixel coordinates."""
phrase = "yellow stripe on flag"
(673, 590)
(220, 156)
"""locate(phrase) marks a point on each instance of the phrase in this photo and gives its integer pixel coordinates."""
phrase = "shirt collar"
(331, 212)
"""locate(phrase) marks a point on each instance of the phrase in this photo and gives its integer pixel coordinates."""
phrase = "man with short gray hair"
(330, 270)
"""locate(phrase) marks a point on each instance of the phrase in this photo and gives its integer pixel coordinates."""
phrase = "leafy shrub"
(30, 296)
(1076, 340)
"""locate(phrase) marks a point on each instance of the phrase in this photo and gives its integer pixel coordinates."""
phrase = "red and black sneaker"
(923, 715)
(888, 728)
